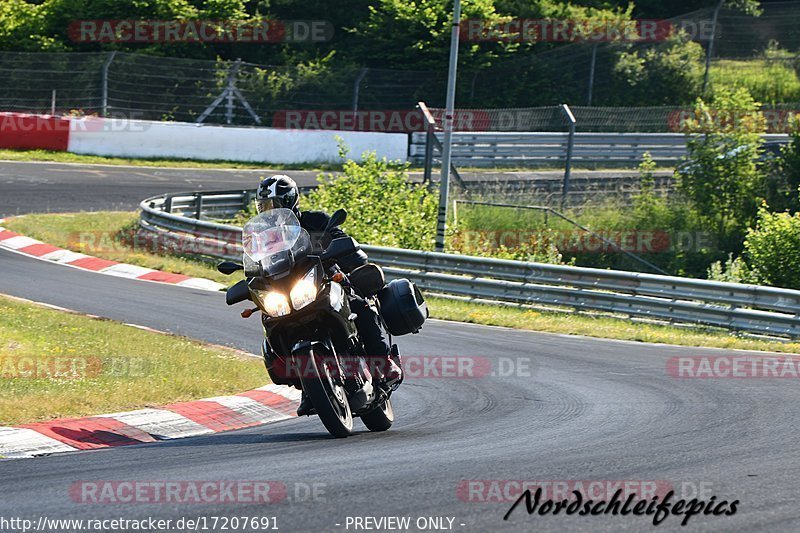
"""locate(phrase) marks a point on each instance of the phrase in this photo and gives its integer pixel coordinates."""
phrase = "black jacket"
(315, 222)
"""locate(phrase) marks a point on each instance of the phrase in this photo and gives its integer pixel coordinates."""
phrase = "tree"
(667, 73)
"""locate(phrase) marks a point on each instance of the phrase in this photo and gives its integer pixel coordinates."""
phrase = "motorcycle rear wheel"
(328, 397)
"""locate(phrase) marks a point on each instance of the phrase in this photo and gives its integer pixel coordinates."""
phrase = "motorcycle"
(310, 335)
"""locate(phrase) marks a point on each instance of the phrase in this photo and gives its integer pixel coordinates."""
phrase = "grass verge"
(55, 364)
(56, 228)
(599, 326)
(66, 157)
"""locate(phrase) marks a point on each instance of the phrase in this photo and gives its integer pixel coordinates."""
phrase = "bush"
(732, 271)
(722, 178)
(772, 249)
(384, 208)
(668, 73)
(789, 193)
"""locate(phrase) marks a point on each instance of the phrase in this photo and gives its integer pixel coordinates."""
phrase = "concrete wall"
(137, 138)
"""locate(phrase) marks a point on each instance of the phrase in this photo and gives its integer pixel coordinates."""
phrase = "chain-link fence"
(611, 86)
(164, 88)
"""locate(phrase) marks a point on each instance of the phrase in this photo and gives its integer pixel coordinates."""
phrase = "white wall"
(140, 138)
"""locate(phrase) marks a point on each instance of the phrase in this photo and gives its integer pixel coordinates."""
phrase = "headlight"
(305, 291)
(274, 303)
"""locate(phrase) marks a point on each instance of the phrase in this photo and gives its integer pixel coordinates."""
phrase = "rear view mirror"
(237, 293)
(340, 247)
(337, 219)
(229, 267)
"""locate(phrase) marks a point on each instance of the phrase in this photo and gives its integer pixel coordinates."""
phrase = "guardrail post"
(426, 177)
(168, 204)
(198, 205)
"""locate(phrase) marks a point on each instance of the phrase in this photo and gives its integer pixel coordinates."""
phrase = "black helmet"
(275, 192)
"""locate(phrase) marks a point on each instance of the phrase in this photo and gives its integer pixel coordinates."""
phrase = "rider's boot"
(306, 408)
(390, 371)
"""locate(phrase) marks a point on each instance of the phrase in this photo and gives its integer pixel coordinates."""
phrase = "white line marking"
(249, 408)
(125, 270)
(290, 393)
(201, 283)
(24, 442)
(160, 423)
(15, 243)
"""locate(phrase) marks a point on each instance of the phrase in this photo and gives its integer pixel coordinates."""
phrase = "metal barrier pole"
(106, 65)
(570, 143)
(357, 89)
(591, 74)
(430, 138)
(441, 221)
(710, 49)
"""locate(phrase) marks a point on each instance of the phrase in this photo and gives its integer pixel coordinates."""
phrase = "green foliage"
(772, 249)
(539, 246)
(667, 233)
(768, 80)
(668, 73)
(722, 178)
(733, 270)
(414, 36)
(384, 208)
(21, 25)
(790, 172)
(399, 32)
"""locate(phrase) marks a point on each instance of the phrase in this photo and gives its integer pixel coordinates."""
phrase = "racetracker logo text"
(200, 31)
(734, 367)
(178, 492)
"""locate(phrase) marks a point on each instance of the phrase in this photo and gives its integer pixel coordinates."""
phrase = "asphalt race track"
(28, 187)
(60, 187)
(572, 408)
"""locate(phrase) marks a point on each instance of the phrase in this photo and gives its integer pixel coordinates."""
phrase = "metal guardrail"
(750, 308)
(478, 149)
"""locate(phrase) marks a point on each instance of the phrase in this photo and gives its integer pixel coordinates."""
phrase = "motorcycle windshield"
(274, 239)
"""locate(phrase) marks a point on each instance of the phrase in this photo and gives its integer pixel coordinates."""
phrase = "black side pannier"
(403, 307)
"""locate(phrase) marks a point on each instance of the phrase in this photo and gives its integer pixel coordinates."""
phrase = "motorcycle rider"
(281, 191)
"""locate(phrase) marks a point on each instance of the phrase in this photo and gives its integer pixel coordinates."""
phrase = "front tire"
(380, 418)
(327, 396)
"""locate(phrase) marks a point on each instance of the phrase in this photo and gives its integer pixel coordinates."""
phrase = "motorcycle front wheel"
(327, 394)
(380, 418)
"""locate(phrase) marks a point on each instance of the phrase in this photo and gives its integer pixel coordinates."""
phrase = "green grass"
(66, 157)
(87, 366)
(53, 228)
(770, 82)
(598, 326)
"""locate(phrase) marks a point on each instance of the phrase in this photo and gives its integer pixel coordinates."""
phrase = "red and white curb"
(271, 403)
(31, 247)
